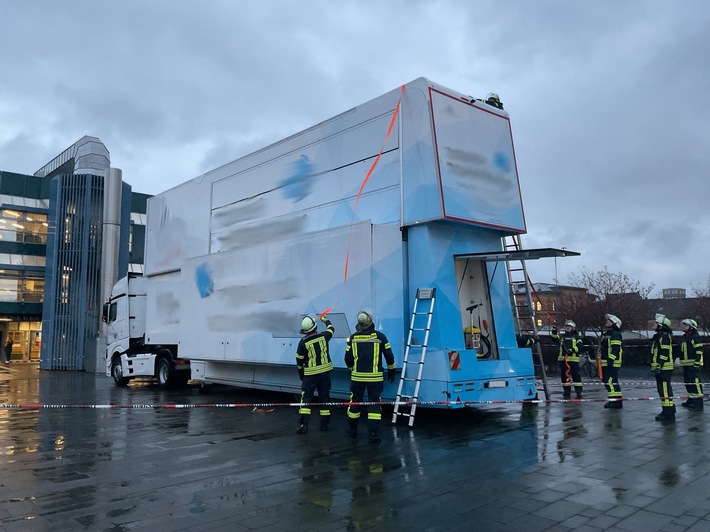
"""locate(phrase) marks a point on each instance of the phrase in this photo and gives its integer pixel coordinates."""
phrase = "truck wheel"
(164, 372)
(117, 373)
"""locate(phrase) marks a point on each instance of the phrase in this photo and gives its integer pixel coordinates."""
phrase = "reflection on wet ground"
(502, 467)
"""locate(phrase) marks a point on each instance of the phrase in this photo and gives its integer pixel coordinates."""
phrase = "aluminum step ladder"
(521, 291)
(414, 354)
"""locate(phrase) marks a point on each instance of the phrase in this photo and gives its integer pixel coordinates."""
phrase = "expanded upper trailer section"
(445, 158)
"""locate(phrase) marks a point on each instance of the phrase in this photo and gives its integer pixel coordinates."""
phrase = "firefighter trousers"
(311, 384)
(691, 378)
(374, 412)
(665, 391)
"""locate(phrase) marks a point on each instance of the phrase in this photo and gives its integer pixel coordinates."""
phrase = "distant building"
(674, 293)
(545, 297)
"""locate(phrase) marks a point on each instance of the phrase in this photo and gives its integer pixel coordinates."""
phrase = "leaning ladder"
(525, 322)
(414, 354)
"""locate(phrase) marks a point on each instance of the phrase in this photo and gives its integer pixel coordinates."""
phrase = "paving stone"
(644, 520)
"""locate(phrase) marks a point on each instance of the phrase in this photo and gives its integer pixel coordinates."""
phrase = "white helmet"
(308, 325)
(662, 320)
(616, 321)
(364, 320)
(571, 324)
(493, 96)
(690, 323)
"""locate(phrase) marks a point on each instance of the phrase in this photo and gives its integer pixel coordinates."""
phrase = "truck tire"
(117, 373)
(165, 372)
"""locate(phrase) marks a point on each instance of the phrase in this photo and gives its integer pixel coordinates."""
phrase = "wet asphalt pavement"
(498, 467)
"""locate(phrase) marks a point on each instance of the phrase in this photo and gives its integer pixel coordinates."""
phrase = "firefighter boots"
(667, 415)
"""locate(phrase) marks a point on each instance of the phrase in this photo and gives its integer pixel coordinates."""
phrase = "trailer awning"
(522, 254)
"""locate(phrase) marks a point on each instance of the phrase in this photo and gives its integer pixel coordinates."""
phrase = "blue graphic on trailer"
(203, 280)
(298, 185)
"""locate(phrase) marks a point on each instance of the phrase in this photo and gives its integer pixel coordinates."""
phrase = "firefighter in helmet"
(314, 367)
(568, 358)
(611, 352)
(492, 99)
(662, 366)
(363, 356)
(691, 360)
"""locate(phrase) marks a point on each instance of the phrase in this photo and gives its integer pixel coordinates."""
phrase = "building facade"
(24, 209)
(51, 237)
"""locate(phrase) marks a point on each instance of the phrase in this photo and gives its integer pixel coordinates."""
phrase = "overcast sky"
(609, 100)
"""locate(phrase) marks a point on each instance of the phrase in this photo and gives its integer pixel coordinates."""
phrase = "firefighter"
(691, 360)
(492, 99)
(526, 341)
(568, 358)
(363, 356)
(662, 366)
(314, 367)
(611, 351)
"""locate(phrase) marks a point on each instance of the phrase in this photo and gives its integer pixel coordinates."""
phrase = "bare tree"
(612, 293)
(700, 306)
(580, 306)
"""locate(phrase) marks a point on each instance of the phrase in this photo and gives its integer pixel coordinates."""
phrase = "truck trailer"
(411, 193)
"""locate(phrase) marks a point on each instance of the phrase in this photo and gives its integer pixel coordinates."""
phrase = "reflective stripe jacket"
(611, 349)
(691, 349)
(312, 354)
(662, 352)
(363, 355)
(569, 345)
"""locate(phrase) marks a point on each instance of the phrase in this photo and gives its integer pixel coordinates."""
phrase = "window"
(21, 287)
(64, 291)
(23, 227)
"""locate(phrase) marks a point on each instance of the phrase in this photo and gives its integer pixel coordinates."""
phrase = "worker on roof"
(611, 352)
(314, 367)
(568, 358)
(492, 99)
(662, 366)
(363, 356)
(691, 360)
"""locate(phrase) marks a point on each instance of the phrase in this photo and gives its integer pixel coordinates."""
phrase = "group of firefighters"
(662, 362)
(367, 347)
(364, 352)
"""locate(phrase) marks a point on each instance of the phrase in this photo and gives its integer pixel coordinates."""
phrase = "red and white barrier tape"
(42, 406)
